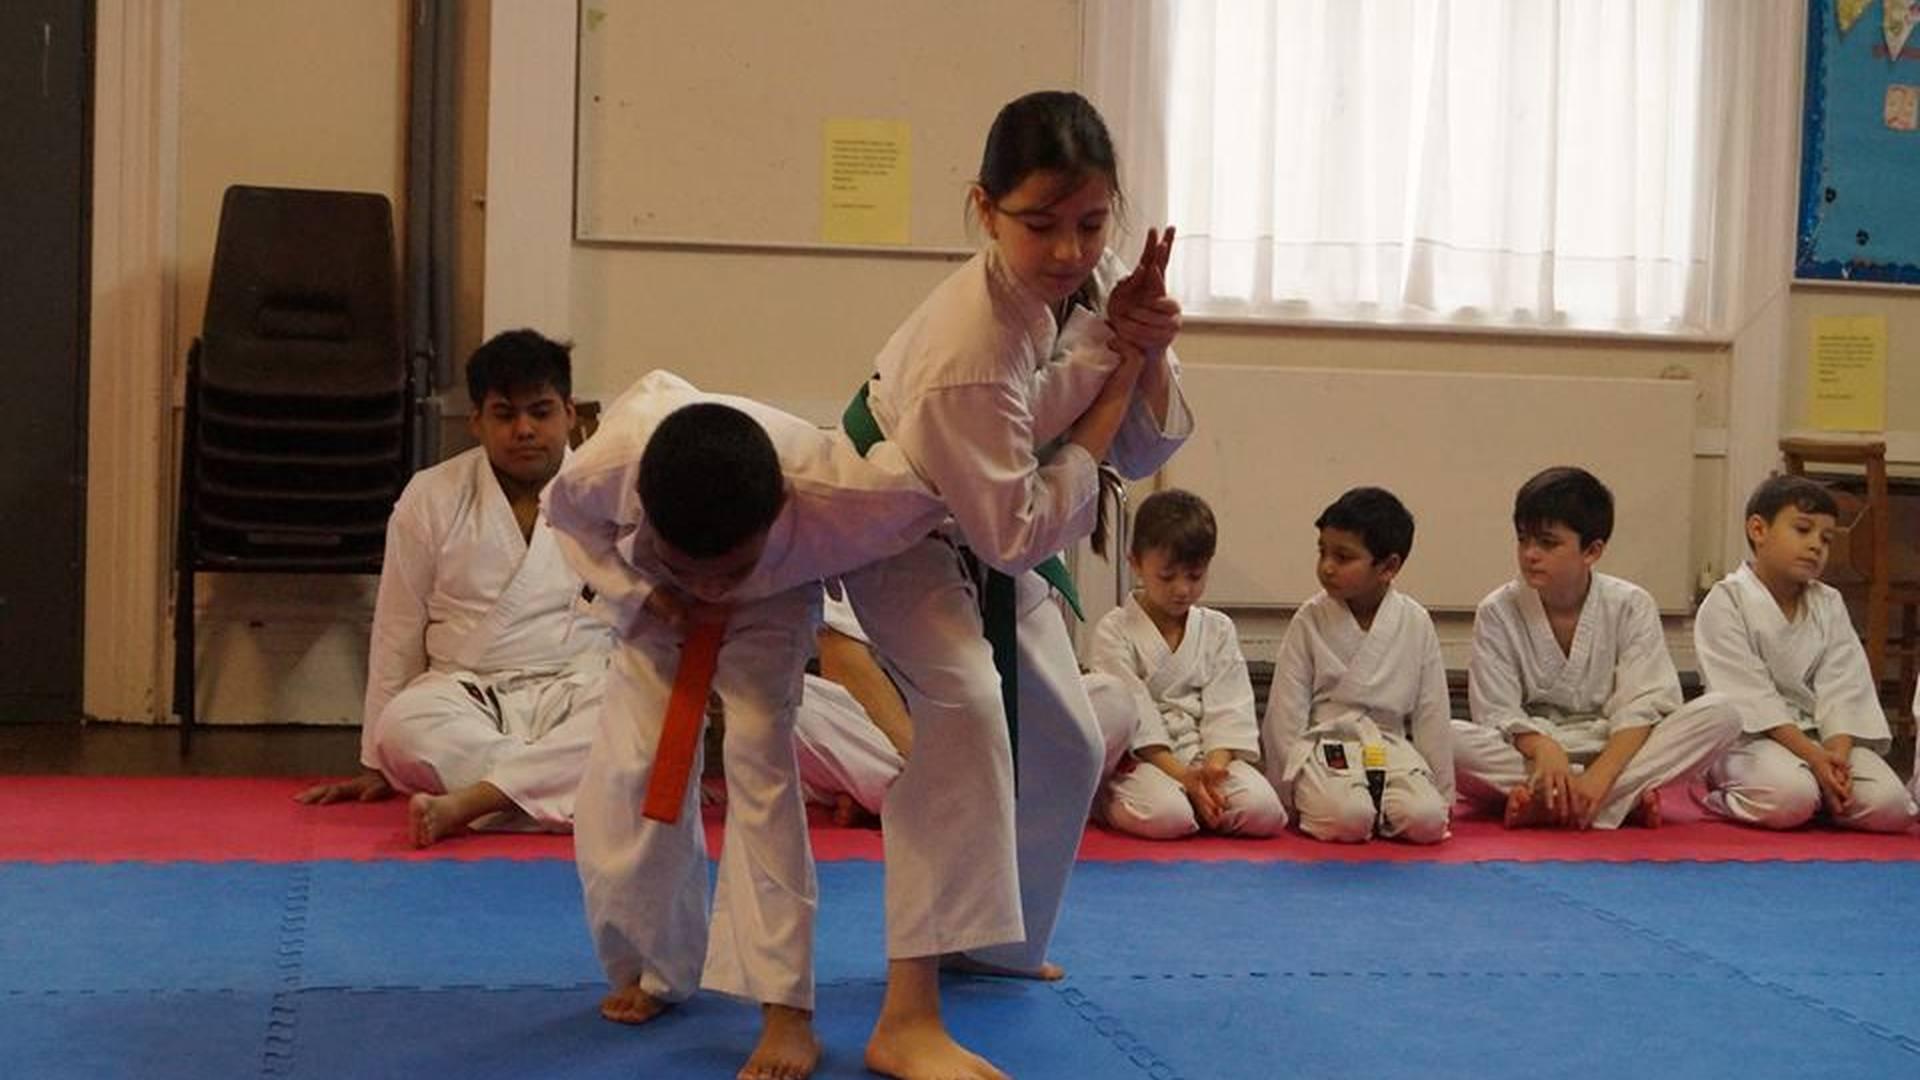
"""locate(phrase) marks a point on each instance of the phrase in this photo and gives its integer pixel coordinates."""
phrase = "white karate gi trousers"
(525, 733)
(1486, 766)
(644, 881)
(1760, 782)
(1141, 800)
(960, 875)
(1335, 803)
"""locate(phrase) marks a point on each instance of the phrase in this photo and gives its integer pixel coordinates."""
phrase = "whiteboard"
(703, 122)
(1273, 446)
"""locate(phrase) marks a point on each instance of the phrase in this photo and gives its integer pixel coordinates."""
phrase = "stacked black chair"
(296, 435)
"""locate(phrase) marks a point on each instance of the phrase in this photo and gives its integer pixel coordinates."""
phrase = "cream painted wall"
(286, 93)
(797, 329)
(295, 94)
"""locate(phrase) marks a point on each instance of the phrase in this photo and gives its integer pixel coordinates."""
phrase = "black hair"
(1778, 492)
(1177, 522)
(1565, 495)
(1047, 131)
(518, 360)
(710, 479)
(1373, 514)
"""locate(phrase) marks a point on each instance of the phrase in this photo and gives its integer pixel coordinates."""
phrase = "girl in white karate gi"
(1004, 390)
(1357, 673)
(1779, 642)
(1195, 738)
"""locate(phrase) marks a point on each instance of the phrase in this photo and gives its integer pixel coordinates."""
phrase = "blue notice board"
(1859, 170)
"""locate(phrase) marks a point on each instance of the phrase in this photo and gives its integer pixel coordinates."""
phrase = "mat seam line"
(280, 1041)
(1131, 1046)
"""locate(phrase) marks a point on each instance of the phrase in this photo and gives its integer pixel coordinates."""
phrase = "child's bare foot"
(962, 964)
(433, 818)
(1647, 813)
(631, 1005)
(429, 818)
(788, 1048)
(1524, 811)
(922, 1050)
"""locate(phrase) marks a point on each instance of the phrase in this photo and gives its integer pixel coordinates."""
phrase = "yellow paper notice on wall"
(1847, 386)
(865, 182)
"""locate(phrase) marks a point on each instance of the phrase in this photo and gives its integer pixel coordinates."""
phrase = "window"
(1540, 163)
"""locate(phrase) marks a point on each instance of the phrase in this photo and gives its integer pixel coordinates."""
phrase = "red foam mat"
(192, 819)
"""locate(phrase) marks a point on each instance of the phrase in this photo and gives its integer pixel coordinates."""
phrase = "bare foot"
(631, 1005)
(788, 1048)
(433, 818)
(1523, 810)
(1647, 814)
(922, 1050)
(962, 964)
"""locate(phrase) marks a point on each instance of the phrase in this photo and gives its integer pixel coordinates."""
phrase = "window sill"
(1438, 328)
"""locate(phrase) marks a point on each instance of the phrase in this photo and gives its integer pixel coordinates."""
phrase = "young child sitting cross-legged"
(1577, 714)
(1357, 736)
(1778, 642)
(1195, 736)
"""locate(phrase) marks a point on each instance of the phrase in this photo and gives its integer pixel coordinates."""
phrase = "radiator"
(1274, 446)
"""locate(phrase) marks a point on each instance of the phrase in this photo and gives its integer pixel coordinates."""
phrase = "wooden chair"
(1866, 548)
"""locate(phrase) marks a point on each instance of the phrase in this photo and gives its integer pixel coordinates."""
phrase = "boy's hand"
(669, 606)
(1550, 775)
(1203, 783)
(1588, 791)
(678, 611)
(369, 786)
(1834, 774)
(1839, 750)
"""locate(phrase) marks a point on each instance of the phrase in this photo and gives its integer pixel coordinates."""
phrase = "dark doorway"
(46, 74)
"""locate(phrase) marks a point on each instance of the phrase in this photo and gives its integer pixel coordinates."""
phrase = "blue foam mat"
(1198, 970)
(1820, 918)
(135, 1034)
(139, 926)
(1478, 1026)
(1268, 917)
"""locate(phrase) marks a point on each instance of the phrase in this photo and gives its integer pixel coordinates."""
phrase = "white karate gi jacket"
(1328, 670)
(1617, 674)
(1192, 700)
(462, 591)
(1811, 672)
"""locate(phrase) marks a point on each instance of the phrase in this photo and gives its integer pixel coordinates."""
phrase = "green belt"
(998, 611)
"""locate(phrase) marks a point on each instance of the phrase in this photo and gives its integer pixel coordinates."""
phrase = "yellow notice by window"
(865, 182)
(1847, 387)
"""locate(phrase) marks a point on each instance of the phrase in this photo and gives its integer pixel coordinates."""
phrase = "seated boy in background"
(1577, 715)
(1195, 736)
(1357, 737)
(483, 678)
(1779, 644)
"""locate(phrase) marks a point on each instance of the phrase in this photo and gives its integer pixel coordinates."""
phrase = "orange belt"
(686, 710)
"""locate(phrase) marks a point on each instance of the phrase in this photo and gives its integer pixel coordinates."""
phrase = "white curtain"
(1544, 163)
